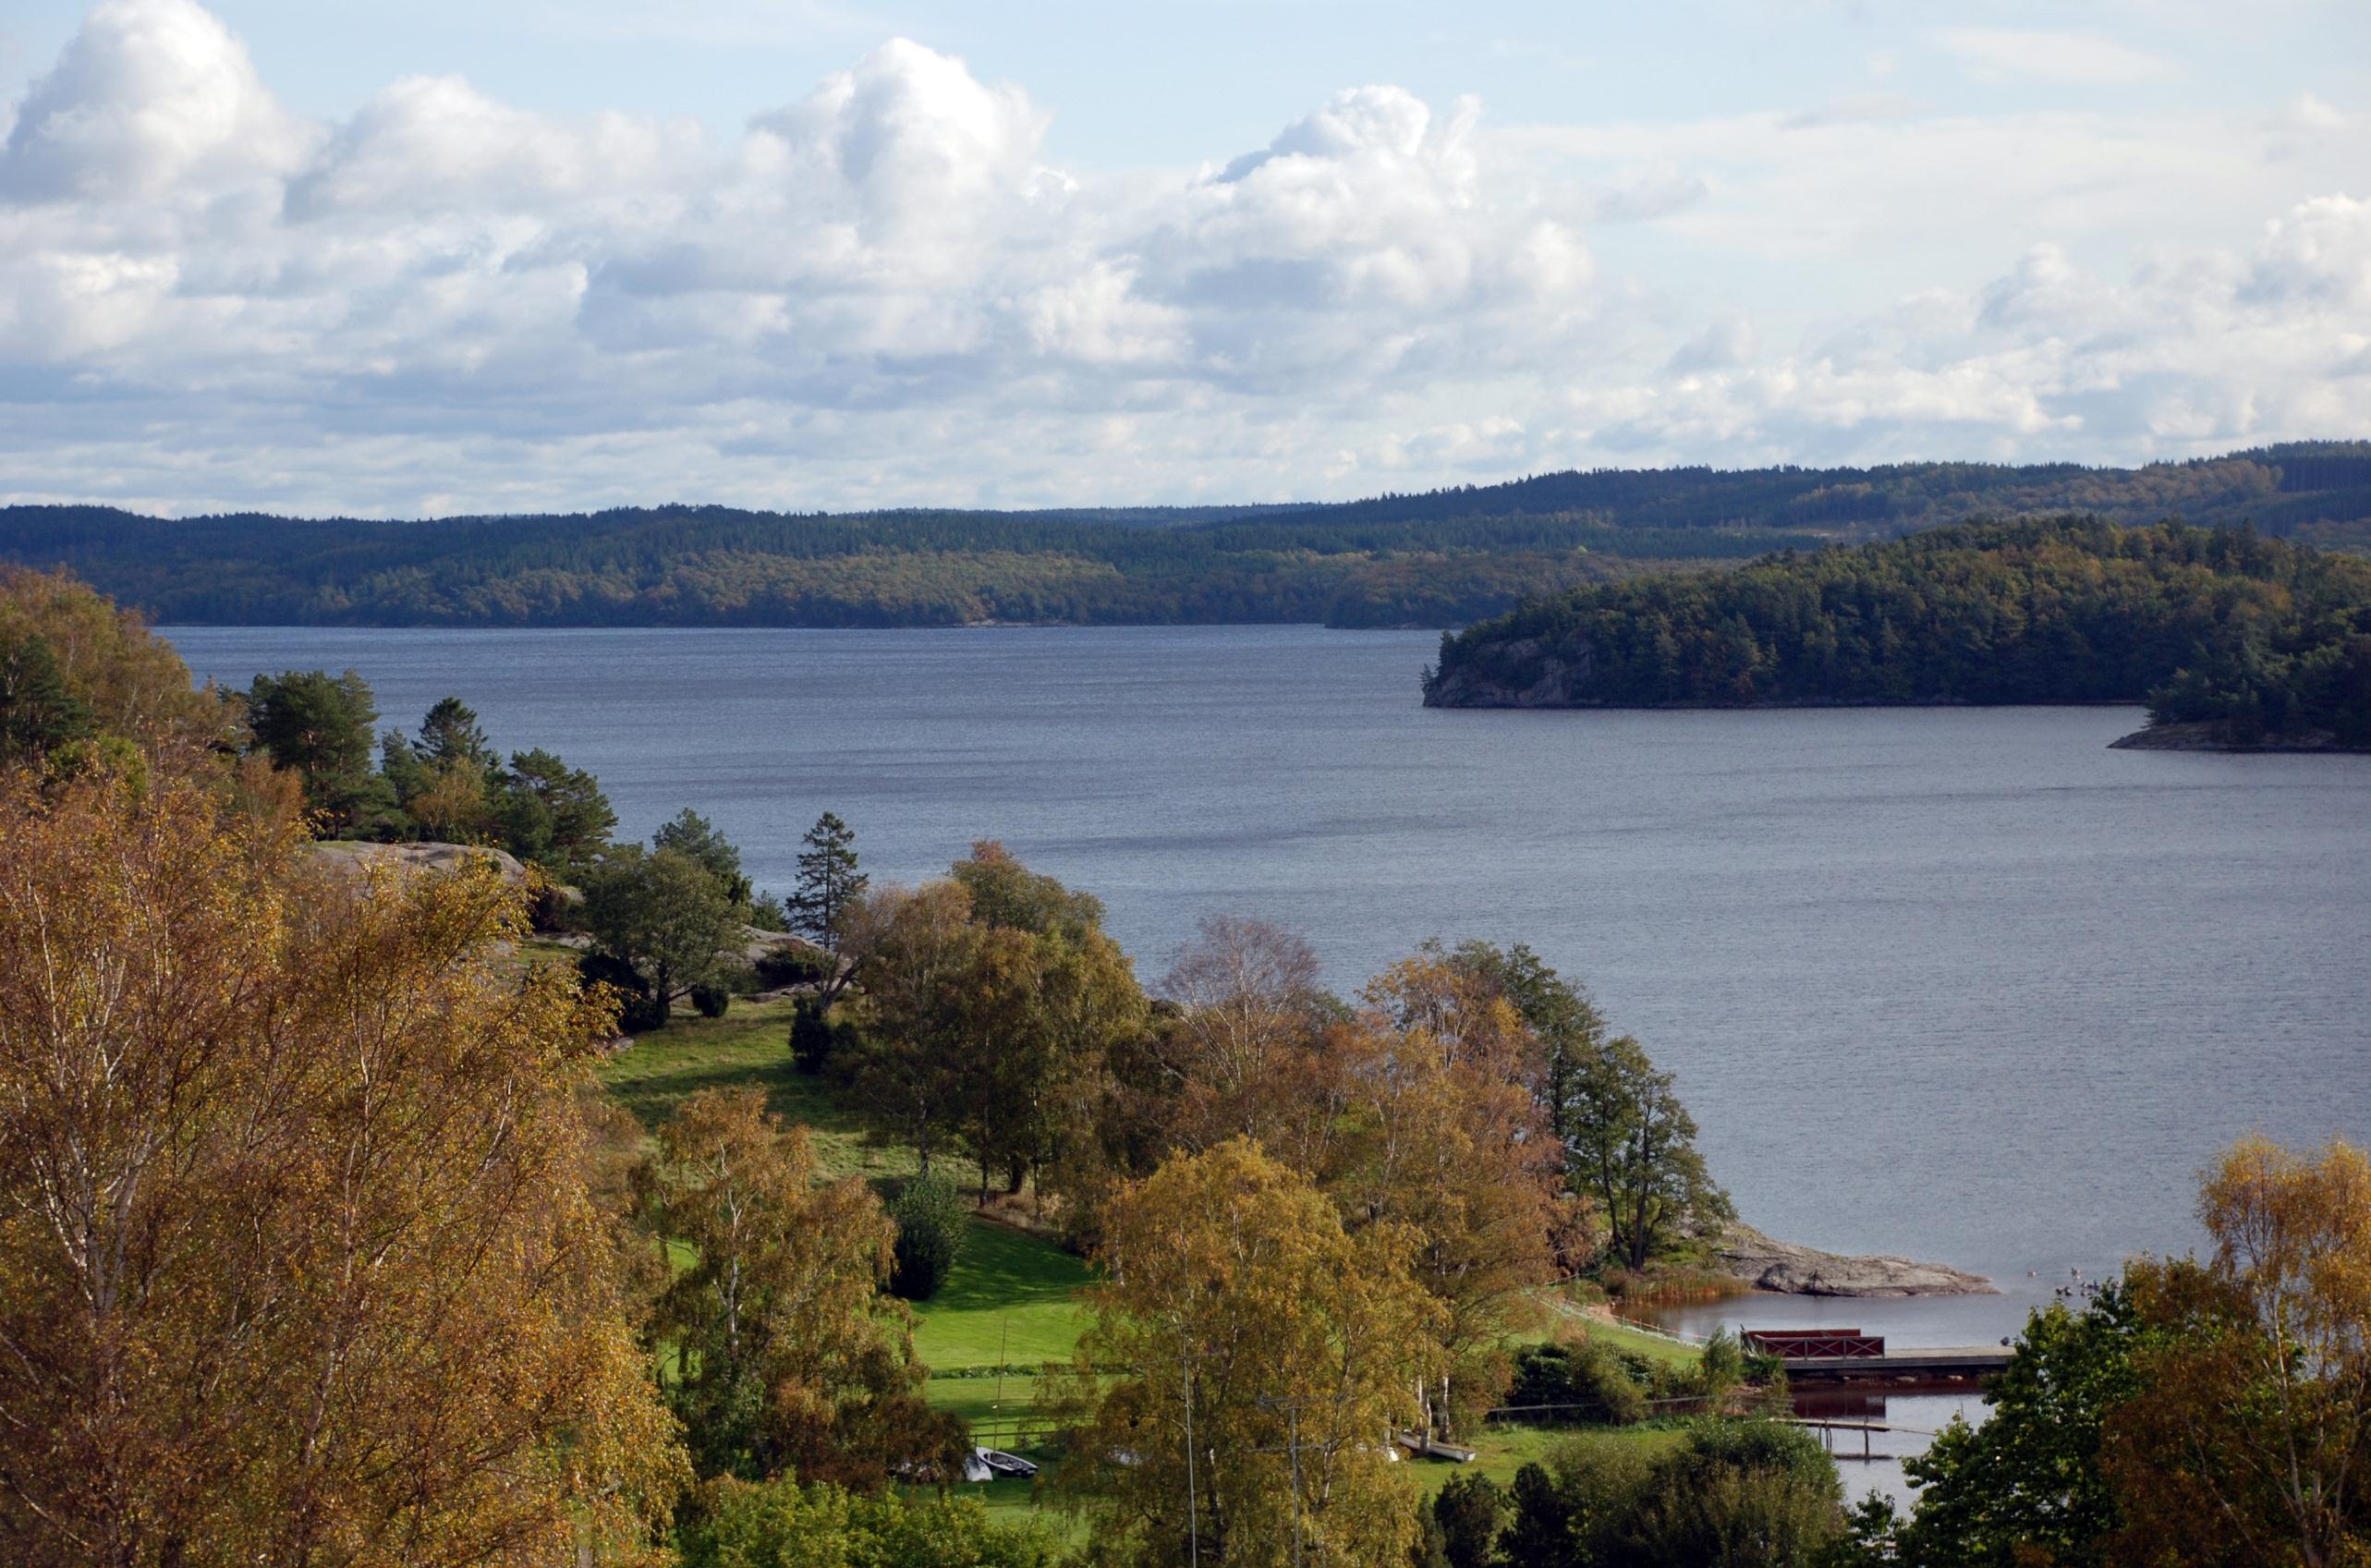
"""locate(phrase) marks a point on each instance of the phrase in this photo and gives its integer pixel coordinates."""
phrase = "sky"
(331, 258)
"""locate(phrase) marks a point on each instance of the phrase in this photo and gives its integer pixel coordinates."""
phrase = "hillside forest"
(1442, 558)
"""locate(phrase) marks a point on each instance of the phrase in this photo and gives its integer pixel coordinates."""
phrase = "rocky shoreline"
(2213, 737)
(1764, 1263)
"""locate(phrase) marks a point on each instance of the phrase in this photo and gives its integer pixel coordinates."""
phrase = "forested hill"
(1442, 558)
(2259, 640)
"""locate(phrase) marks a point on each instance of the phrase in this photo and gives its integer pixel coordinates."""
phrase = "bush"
(792, 965)
(1582, 1380)
(811, 1037)
(1735, 1491)
(712, 1001)
(930, 1230)
(1722, 1365)
(778, 1523)
(640, 1011)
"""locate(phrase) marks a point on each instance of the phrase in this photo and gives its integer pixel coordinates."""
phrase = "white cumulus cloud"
(886, 288)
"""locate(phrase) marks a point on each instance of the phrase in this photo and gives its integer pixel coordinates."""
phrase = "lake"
(1958, 983)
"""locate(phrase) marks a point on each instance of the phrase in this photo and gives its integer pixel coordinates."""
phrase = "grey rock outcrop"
(348, 857)
(1768, 1264)
(1528, 672)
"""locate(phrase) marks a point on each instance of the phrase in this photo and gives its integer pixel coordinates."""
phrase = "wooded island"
(2254, 642)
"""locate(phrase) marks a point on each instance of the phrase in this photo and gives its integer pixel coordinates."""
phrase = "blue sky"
(339, 257)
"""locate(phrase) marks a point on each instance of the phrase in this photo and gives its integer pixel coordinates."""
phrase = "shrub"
(639, 1012)
(792, 965)
(778, 1523)
(1722, 1365)
(811, 1037)
(713, 1001)
(1735, 1491)
(930, 1220)
(1583, 1381)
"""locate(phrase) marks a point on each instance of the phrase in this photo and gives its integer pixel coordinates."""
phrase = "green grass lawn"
(1011, 1301)
(1501, 1451)
(748, 1045)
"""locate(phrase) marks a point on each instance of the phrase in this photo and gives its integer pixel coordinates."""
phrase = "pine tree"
(829, 882)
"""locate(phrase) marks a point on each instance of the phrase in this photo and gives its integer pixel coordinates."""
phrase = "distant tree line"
(1440, 558)
(2259, 635)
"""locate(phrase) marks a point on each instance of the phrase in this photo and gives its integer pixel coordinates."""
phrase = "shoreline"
(2208, 736)
(1767, 1265)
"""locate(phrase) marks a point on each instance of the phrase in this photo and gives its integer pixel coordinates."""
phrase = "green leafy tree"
(662, 912)
(932, 1226)
(830, 881)
(1570, 1030)
(37, 710)
(1471, 1510)
(922, 1028)
(554, 814)
(2026, 1486)
(1633, 1148)
(1734, 1494)
(811, 1036)
(692, 834)
(1539, 1530)
(318, 726)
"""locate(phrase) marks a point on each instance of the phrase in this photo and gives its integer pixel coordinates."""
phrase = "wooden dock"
(1944, 1363)
(1848, 1355)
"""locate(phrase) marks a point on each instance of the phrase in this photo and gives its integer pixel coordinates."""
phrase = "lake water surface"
(1959, 983)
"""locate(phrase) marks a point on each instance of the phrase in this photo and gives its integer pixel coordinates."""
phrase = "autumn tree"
(1451, 1144)
(1570, 1031)
(1058, 993)
(1255, 1048)
(992, 999)
(1249, 1359)
(74, 665)
(298, 1257)
(443, 779)
(786, 1525)
(789, 1356)
(2248, 1437)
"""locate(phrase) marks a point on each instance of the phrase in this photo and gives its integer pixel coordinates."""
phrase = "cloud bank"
(882, 291)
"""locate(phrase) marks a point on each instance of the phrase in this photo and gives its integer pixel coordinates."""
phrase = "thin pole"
(1003, 1334)
(1193, 1528)
(1292, 1443)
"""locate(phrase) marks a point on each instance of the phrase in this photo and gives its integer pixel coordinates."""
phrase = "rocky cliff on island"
(1767, 1264)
